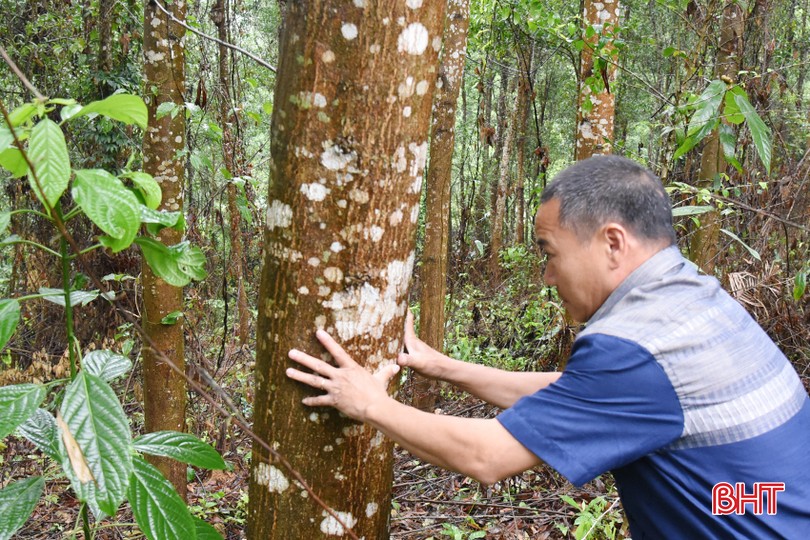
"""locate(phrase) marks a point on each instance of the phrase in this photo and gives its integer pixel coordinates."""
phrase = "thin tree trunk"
(164, 390)
(596, 111)
(349, 146)
(499, 209)
(704, 246)
(437, 212)
(524, 95)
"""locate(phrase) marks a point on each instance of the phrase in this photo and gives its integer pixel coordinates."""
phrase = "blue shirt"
(674, 388)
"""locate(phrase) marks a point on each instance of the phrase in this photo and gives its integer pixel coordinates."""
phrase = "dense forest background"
(516, 124)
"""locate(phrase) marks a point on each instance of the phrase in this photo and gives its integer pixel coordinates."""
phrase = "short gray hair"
(601, 189)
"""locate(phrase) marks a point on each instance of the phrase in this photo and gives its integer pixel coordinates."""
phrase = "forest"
(191, 188)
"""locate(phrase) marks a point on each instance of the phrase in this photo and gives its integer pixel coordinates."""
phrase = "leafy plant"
(595, 519)
(89, 435)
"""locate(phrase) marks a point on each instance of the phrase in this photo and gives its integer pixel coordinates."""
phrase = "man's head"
(598, 221)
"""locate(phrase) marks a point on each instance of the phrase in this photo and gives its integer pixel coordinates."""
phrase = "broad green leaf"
(48, 153)
(164, 219)
(147, 186)
(17, 501)
(180, 446)
(731, 111)
(40, 429)
(13, 161)
(728, 142)
(158, 509)
(690, 210)
(205, 531)
(6, 138)
(108, 204)
(706, 109)
(22, 114)
(17, 403)
(172, 318)
(799, 285)
(5, 221)
(176, 265)
(97, 422)
(69, 111)
(106, 365)
(688, 144)
(759, 131)
(57, 296)
(9, 318)
(754, 253)
(122, 107)
(167, 107)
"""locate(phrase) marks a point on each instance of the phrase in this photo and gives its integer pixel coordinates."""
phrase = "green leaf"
(40, 429)
(688, 144)
(799, 285)
(172, 318)
(108, 204)
(706, 110)
(48, 153)
(754, 253)
(106, 365)
(731, 111)
(122, 107)
(69, 111)
(759, 131)
(17, 403)
(147, 186)
(180, 446)
(57, 296)
(17, 501)
(97, 422)
(690, 210)
(205, 531)
(6, 138)
(5, 221)
(267, 107)
(176, 265)
(158, 509)
(9, 318)
(13, 161)
(22, 114)
(728, 142)
(167, 107)
(164, 219)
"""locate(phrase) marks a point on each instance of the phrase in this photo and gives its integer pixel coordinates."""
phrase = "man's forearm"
(495, 386)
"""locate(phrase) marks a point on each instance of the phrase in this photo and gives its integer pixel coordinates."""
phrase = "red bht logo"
(728, 499)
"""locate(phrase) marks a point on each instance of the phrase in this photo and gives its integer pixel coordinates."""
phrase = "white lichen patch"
(314, 261)
(374, 48)
(359, 196)
(413, 39)
(414, 213)
(399, 162)
(336, 247)
(335, 158)
(375, 233)
(422, 88)
(360, 3)
(333, 274)
(328, 57)
(377, 440)
(406, 111)
(270, 476)
(371, 509)
(437, 43)
(313, 417)
(349, 31)
(366, 309)
(406, 88)
(284, 253)
(303, 290)
(342, 203)
(314, 192)
(278, 215)
(393, 346)
(320, 321)
(332, 526)
(395, 218)
(419, 160)
(413, 4)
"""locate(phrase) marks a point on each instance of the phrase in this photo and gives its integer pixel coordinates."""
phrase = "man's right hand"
(420, 356)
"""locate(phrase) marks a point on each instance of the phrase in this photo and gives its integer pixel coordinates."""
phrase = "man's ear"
(616, 239)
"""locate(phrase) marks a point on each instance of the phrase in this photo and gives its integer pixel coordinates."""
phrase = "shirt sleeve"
(612, 405)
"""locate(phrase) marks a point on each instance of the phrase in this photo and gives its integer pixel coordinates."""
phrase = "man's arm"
(480, 448)
(495, 386)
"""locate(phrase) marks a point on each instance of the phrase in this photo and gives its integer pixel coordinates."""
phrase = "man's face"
(577, 269)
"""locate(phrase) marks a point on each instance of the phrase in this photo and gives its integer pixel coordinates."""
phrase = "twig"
(20, 75)
(216, 40)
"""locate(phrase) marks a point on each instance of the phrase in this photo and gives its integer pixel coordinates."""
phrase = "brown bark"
(524, 97)
(164, 390)
(349, 145)
(499, 208)
(704, 246)
(437, 212)
(595, 127)
(234, 160)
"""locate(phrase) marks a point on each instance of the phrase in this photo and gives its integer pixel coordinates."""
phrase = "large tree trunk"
(349, 146)
(164, 73)
(234, 159)
(704, 248)
(437, 220)
(596, 111)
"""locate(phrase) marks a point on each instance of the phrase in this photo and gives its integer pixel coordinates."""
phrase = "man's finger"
(387, 373)
(410, 334)
(341, 356)
(310, 362)
(313, 380)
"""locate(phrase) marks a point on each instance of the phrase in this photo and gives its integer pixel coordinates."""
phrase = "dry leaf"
(77, 461)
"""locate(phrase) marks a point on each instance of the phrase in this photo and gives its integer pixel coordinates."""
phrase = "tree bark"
(499, 205)
(524, 95)
(595, 126)
(437, 212)
(349, 146)
(704, 246)
(164, 71)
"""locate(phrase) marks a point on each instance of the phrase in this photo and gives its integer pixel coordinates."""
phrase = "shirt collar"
(650, 270)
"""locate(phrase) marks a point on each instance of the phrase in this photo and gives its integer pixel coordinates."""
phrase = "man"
(671, 385)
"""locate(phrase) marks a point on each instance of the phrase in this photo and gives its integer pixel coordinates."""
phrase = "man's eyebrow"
(541, 243)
